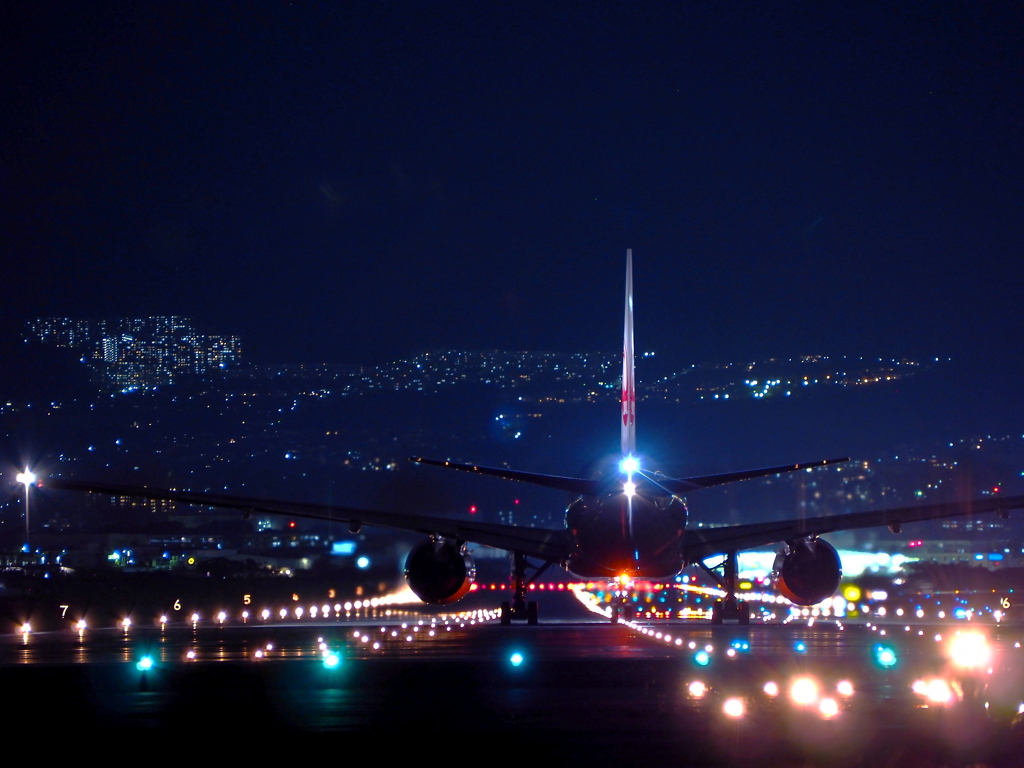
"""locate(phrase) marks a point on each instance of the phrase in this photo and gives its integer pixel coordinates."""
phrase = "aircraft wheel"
(506, 613)
(531, 612)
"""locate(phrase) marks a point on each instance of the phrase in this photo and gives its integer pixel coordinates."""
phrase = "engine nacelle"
(439, 571)
(809, 572)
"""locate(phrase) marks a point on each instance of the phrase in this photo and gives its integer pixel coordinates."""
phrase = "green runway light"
(331, 660)
(144, 664)
(885, 656)
(702, 658)
(516, 659)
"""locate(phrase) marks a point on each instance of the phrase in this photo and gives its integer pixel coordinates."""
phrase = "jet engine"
(440, 571)
(808, 572)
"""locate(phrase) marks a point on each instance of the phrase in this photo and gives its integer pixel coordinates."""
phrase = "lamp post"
(28, 479)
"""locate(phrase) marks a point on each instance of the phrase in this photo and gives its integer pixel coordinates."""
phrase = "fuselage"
(640, 536)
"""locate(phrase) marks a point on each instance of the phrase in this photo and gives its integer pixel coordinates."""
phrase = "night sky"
(353, 182)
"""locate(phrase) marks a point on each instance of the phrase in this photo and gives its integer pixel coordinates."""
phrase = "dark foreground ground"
(584, 693)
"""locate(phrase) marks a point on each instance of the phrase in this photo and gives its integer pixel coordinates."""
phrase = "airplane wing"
(700, 543)
(686, 484)
(552, 544)
(543, 543)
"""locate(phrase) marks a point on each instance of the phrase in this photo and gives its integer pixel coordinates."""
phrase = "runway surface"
(583, 691)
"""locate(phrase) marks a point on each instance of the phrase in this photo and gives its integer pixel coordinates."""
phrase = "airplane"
(628, 523)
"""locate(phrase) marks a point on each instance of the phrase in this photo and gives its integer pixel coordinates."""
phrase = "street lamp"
(28, 479)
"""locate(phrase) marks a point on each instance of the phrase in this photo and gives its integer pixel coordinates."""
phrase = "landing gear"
(519, 609)
(737, 611)
(531, 612)
(728, 608)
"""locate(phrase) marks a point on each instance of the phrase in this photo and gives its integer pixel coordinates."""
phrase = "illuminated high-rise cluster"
(138, 353)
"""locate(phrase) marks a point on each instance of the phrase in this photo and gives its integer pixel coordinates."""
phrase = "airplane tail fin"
(628, 380)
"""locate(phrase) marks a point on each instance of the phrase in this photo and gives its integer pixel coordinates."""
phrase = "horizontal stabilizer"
(579, 485)
(686, 484)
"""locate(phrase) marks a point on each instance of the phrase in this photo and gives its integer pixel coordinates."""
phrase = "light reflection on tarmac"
(583, 692)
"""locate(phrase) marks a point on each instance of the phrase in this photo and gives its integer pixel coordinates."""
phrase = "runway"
(583, 691)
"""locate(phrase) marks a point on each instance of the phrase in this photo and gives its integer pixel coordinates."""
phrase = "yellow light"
(828, 708)
(697, 689)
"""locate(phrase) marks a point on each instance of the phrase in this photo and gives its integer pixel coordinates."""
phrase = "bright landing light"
(734, 708)
(970, 650)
